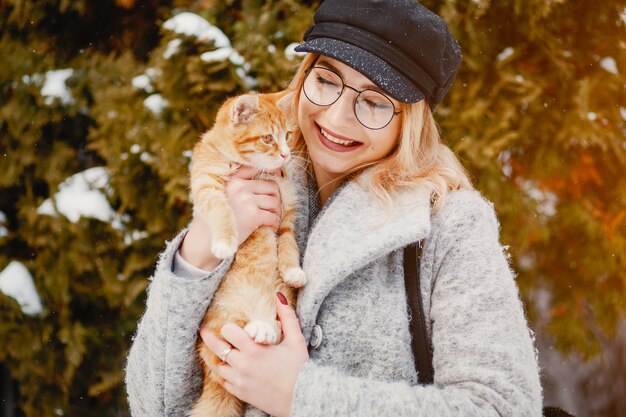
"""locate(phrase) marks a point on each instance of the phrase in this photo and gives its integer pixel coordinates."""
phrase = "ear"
(285, 102)
(244, 108)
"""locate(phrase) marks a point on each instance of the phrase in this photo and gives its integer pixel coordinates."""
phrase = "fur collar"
(352, 230)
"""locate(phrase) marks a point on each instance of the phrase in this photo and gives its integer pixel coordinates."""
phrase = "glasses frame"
(343, 88)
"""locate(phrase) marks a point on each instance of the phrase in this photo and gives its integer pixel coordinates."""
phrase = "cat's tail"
(216, 401)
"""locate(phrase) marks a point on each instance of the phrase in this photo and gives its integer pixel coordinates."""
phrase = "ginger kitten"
(250, 130)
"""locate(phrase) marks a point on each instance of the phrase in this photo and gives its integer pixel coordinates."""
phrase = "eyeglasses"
(323, 87)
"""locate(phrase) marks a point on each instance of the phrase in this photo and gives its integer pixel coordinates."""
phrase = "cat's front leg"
(288, 252)
(263, 332)
(208, 183)
(213, 207)
(289, 257)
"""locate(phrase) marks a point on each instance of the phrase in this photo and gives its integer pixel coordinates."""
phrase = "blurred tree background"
(112, 94)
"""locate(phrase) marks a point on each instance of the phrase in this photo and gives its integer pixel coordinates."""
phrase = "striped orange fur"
(249, 130)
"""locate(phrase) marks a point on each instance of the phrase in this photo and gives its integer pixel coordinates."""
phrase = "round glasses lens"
(323, 87)
(373, 109)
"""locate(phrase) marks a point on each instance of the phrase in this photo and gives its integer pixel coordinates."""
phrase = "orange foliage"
(126, 4)
(582, 175)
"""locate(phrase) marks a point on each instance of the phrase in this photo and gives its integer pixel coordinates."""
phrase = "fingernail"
(281, 297)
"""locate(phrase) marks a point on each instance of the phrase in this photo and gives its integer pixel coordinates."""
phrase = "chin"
(334, 169)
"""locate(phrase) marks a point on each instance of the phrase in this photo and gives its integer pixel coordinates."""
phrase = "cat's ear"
(244, 108)
(286, 101)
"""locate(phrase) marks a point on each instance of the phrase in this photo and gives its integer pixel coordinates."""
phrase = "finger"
(237, 337)
(267, 187)
(219, 346)
(245, 172)
(256, 187)
(226, 375)
(277, 172)
(282, 334)
(268, 218)
(214, 367)
(268, 203)
(232, 389)
(289, 320)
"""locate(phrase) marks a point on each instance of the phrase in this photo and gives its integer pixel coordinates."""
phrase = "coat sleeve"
(483, 355)
(163, 376)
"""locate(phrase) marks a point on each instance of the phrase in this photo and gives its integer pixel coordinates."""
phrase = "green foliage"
(92, 275)
(540, 126)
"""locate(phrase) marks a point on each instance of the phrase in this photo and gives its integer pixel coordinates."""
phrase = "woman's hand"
(254, 203)
(261, 375)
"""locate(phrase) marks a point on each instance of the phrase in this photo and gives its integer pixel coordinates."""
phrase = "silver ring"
(225, 353)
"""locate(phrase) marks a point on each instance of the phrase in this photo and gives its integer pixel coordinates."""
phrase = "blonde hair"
(420, 159)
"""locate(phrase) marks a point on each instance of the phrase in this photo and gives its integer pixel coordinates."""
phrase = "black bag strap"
(419, 339)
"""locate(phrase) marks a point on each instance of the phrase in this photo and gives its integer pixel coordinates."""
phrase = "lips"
(336, 142)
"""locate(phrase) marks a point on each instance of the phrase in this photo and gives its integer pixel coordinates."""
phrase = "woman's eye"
(323, 81)
(377, 105)
(267, 139)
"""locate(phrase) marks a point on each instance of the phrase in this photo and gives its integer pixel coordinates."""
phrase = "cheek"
(390, 137)
(301, 113)
(306, 110)
(384, 140)
(305, 123)
(381, 146)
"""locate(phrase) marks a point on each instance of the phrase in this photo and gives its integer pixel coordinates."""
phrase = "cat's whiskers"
(296, 160)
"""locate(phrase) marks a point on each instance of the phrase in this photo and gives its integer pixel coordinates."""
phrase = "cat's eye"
(288, 136)
(267, 139)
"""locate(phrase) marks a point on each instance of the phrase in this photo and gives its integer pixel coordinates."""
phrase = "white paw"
(222, 249)
(294, 277)
(263, 332)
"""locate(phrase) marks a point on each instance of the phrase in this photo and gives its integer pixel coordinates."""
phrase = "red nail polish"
(281, 297)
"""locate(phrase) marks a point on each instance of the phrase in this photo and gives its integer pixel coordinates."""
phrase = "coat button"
(316, 337)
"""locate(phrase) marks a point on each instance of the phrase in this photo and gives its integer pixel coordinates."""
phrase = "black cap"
(400, 45)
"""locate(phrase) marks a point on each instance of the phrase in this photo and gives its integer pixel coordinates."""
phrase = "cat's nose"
(284, 155)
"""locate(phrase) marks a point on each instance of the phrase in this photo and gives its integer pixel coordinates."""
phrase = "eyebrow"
(370, 86)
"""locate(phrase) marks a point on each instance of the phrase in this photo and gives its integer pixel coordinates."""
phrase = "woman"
(379, 180)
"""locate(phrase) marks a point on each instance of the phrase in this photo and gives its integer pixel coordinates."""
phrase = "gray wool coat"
(353, 312)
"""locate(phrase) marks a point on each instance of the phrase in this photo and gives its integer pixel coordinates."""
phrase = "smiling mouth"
(337, 140)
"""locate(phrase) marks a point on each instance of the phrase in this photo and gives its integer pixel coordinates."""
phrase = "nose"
(341, 112)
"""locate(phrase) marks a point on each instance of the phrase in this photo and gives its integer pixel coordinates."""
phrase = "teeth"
(335, 140)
